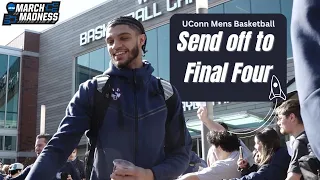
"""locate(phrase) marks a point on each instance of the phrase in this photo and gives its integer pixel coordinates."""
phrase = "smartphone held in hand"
(241, 152)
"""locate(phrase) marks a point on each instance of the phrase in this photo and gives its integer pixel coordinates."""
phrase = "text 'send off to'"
(228, 57)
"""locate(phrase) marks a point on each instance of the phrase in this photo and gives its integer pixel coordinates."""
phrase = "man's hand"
(135, 173)
(242, 164)
(211, 125)
(202, 114)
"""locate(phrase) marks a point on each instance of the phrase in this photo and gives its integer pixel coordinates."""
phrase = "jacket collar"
(138, 76)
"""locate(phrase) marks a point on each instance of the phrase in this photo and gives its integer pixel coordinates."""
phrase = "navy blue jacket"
(305, 35)
(133, 129)
(275, 170)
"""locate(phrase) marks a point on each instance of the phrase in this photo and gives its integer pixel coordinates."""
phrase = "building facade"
(9, 96)
(74, 51)
(19, 64)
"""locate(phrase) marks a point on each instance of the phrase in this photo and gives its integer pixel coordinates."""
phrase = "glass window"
(286, 9)
(152, 48)
(164, 52)
(216, 9)
(91, 64)
(265, 6)
(12, 111)
(13, 92)
(3, 85)
(194, 145)
(10, 143)
(1, 142)
(83, 60)
(107, 58)
(237, 6)
(97, 62)
(82, 69)
(197, 146)
(9, 161)
(3, 64)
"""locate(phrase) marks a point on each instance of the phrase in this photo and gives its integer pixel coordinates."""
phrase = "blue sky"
(68, 9)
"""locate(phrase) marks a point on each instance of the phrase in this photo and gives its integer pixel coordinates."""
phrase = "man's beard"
(133, 54)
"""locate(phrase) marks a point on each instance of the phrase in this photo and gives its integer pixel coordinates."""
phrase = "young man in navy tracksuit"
(134, 128)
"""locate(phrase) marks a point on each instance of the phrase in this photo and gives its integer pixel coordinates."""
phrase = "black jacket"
(275, 170)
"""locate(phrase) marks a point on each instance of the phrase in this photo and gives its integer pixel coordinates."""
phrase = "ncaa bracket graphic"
(32, 13)
(228, 57)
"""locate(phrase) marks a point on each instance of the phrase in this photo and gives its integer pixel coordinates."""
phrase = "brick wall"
(31, 42)
(26, 161)
(28, 97)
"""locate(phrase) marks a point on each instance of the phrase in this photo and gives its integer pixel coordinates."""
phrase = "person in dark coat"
(272, 160)
(77, 163)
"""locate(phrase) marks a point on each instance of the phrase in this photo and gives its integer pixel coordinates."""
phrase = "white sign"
(188, 106)
(93, 34)
(143, 14)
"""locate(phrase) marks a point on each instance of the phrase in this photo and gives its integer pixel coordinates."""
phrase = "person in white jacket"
(215, 126)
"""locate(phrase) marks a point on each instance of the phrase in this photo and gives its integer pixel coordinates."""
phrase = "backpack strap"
(171, 102)
(166, 88)
(100, 105)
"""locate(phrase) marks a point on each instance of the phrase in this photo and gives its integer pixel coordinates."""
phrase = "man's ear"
(142, 39)
(292, 117)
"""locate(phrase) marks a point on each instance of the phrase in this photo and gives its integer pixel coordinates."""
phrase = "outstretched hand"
(202, 114)
(135, 173)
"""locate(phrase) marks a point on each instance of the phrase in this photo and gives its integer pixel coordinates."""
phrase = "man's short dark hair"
(14, 172)
(288, 107)
(47, 137)
(227, 141)
(133, 24)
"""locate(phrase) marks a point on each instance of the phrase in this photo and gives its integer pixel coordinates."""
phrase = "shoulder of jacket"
(302, 138)
(167, 88)
(101, 81)
(80, 161)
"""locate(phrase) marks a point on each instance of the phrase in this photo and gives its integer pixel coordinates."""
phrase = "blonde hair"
(5, 168)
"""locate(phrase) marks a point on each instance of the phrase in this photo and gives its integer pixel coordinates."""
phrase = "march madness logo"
(32, 13)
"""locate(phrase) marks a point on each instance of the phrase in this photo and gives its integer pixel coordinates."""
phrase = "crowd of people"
(269, 160)
(225, 159)
(73, 169)
(10, 171)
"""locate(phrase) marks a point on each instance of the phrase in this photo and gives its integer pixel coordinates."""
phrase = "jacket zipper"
(135, 116)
